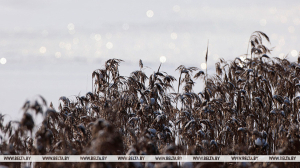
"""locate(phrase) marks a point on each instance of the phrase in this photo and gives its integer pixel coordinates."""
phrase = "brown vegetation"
(248, 107)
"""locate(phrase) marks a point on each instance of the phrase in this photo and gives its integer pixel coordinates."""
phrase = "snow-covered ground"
(51, 47)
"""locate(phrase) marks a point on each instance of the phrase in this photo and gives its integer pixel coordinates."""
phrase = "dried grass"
(248, 107)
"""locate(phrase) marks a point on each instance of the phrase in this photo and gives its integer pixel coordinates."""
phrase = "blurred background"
(51, 48)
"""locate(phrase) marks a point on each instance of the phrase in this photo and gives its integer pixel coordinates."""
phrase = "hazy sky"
(52, 47)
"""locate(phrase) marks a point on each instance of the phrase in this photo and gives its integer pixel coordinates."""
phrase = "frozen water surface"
(51, 47)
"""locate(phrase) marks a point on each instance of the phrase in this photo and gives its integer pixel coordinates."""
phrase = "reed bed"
(248, 107)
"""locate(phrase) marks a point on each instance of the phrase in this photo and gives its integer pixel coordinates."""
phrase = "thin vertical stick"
(206, 92)
(206, 63)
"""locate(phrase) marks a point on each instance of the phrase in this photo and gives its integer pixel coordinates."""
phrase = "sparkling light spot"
(163, 59)
(174, 36)
(125, 26)
(294, 53)
(75, 40)
(43, 50)
(203, 65)
(291, 29)
(109, 45)
(68, 46)
(71, 26)
(263, 22)
(3, 61)
(149, 13)
(57, 54)
(176, 8)
(97, 37)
